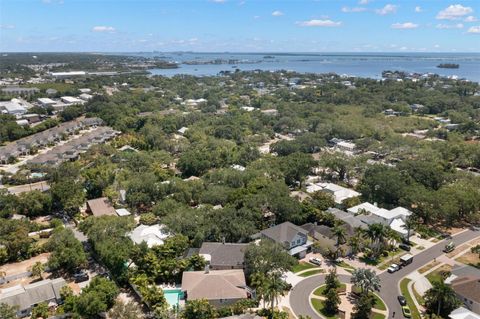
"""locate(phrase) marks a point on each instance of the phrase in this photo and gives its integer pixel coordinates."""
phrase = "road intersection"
(300, 294)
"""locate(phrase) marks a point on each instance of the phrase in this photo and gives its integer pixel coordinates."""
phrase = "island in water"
(448, 66)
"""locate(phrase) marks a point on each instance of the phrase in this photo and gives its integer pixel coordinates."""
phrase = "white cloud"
(436, 46)
(470, 19)
(474, 30)
(256, 17)
(363, 2)
(406, 25)
(454, 12)
(319, 23)
(389, 8)
(277, 13)
(7, 26)
(354, 9)
(218, 1)
(418, 9)
(102, 28)
(403, 48)
(450, 26)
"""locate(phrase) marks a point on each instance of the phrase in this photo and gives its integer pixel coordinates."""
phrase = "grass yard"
(376, 315)
(410, 303)
(320, 291)
(379, 304)
(439, 273)
(311, 272)
(303, 266)
(345, 265)
(319, 306)
(428, 267)
(470, 259)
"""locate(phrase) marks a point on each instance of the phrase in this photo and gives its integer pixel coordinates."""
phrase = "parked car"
(405, 247)
(402, 300)
(449, 247)
(81, 276)
(393, 268)
(406, 312)
(315, 261)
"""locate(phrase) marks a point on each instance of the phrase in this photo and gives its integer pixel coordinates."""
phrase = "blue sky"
(240, 25)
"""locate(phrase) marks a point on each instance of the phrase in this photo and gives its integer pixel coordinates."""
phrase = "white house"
(153, 235)
(339, 193)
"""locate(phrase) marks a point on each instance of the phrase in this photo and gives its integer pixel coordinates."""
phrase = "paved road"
(300, 303)
(390, 282)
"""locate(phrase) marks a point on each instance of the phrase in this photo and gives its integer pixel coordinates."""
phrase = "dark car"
(404, 247)
(80, 276)
(402, 300)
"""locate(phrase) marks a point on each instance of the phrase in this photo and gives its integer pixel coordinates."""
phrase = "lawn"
(318, 306)
(428, 267)
(302, 266)
(470, 259)
(343, 264)
(381, 259)
(311, 272)
(320, 291)
(439, 273)
(410, 303)
(376, 315)
(379, 304)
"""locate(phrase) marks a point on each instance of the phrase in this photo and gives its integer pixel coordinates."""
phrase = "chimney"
(223, 240)
(375, 204)
(207, 268)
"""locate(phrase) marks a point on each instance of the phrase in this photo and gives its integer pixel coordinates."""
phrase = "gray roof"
(347, 218)
(320, 229)
(26, 296)
(284, 232)
(227, 254)
(465, 270)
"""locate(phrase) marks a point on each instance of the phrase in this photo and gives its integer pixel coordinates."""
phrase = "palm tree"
(258, 281)
(275, 286)
(340, 233)
(410, 223)
(366, 279)
(376, 233)
(355, 241)
(441, 299)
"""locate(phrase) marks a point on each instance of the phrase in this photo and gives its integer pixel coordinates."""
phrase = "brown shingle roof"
(100, 207)
(467, 287)
(214, 285)
(283, 233)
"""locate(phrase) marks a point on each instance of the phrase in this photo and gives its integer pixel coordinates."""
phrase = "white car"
(316, 261)
(393, 268)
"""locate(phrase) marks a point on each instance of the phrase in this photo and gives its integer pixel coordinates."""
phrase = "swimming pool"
(173, 296)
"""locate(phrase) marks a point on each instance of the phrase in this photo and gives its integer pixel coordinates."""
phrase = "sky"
(239, 25)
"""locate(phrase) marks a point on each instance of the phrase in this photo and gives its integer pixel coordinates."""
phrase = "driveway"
(299, 296)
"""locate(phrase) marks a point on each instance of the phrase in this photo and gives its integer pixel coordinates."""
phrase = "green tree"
(199, 309)
(274, 287)
(366, 279)
(323, 200)
(129, 310)
(332, 302)
(441, 299)
(363, 307)
(67, 252)
(40, 311)
(331, 280)
(267, 256)
(476, 250)
(8, 312)
(37, 269)
(97, 297)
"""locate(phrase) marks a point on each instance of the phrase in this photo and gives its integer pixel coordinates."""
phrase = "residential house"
(219, 287)
(16, 90)
(467, 289)
(463, 313)
(153, 235)
(100, 207)
(338, 192)
(292, 237)
(224, 255)
(26, 297)
(395, 218)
